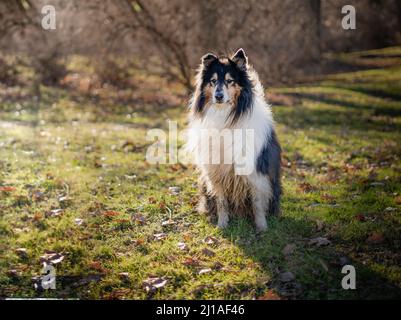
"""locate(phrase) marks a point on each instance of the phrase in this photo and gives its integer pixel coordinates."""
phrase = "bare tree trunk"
(316, 7)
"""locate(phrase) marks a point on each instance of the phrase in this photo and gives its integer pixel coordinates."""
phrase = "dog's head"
(224, 82)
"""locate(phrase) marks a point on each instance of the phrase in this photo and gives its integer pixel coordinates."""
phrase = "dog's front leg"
(222, 212)
(261, 194)
(259, 211)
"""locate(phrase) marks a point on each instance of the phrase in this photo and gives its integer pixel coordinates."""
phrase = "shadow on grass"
(376, 92)
(301, 118)
(378, 110)
(316, 270)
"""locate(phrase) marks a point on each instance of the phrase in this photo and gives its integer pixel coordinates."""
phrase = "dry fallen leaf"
(360, 217)
(350, 168)
(211, 240)
(22, 252)
(205, 270)
(390, 209)
(191, 262)
(78, 221)
(130, 177)
(269, 295)
(64, 199)
(153, 283)
(96, 265)
(306, 187)
(207, 252)
(174, 190)
(320, 241)
(51, 258)
(7, 189)
(182, 246)
(168, 222)
(54, 213)
(138, 242)
(37, 216)
(152, 200)
(124, 276)
(138, 219)
(162, 205)
(375, 238)
(37, 196)
(13, 273)
(159, 236)
(110, 213)
(187, 236)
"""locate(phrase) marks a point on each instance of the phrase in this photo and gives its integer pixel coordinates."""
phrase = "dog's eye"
(213, 81)
(229, 81)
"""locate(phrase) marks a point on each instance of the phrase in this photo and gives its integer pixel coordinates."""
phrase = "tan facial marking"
(209, 90)
(233, 89)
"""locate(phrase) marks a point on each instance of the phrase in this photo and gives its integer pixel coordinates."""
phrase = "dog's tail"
(274, 205)
(274, 173)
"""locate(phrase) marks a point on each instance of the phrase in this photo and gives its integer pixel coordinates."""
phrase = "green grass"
(341, 174)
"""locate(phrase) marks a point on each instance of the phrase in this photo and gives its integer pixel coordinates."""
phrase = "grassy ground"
(74, 183)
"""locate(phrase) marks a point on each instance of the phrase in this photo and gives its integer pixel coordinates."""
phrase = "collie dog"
(229, 104)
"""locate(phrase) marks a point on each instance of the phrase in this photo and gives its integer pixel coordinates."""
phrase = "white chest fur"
(214, 142)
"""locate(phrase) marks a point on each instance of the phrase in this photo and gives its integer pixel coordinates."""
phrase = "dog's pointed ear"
(240, 58)
(207, 59)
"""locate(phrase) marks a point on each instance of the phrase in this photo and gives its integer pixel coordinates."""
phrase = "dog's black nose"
(219, 96)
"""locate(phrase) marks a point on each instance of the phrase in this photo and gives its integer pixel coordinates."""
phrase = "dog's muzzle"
(219, 96)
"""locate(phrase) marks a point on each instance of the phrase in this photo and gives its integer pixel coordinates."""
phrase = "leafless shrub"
(49, 68)
(114, 71)
(8, 73)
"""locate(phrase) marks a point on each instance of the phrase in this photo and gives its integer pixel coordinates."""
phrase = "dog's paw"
(261, 225)
(222, 221)
(201, 208)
